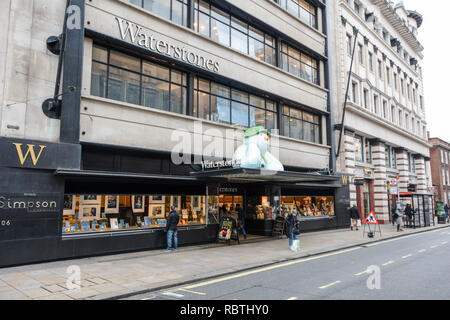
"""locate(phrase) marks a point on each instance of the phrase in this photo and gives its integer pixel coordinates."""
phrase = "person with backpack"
(399, 215)
(172, 229)
(355, 216)
(293, 230)
(409, 216)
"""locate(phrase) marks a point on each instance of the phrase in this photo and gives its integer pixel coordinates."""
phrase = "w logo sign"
(30, 151)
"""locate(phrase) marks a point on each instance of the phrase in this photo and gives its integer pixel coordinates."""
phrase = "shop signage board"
(278, 227)
(33, 154)
(228, 230)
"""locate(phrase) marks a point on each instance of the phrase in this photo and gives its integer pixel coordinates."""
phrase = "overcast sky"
(434, 36)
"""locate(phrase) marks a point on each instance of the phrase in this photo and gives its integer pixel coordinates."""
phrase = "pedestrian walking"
(241, 220)
(354, 216)
(172, 229)
(446, 212)
(399, 215)
(293, 230)
(409, 213)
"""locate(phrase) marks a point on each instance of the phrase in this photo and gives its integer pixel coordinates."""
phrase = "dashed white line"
(172, 294)
(387, 263)
(407, 256)
(422, 250)
(358, 274)
(329, 285)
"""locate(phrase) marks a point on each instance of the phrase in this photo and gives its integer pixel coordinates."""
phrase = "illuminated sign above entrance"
(134, 33)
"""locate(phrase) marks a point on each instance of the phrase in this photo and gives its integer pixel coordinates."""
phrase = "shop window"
(308, 206)
(174, 10)
(300, 124)
(99, 213)
(219, 103)
(299, 64)
(121, 77)
(232, 32)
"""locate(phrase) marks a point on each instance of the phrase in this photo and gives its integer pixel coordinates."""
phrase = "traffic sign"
(371, 219)
(393, 182)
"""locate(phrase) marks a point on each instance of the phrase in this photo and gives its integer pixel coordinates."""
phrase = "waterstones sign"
(134, 33)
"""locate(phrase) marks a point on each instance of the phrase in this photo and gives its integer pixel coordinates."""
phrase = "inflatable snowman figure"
(254, 154)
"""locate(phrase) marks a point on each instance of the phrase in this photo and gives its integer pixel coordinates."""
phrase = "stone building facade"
(384, 133)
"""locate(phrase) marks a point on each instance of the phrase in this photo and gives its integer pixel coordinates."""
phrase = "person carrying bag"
(293, 230)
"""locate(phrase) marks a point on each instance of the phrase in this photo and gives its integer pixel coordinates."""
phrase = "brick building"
(440, 169)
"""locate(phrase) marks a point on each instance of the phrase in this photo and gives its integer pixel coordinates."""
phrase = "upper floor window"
(371, 61)
(174, 10)
(226, 29)
(299, 64)
(349, 44)
(360, 54)
(219, 103)
(300, 124)
(302, 9)
(122, 77)
(359, 150)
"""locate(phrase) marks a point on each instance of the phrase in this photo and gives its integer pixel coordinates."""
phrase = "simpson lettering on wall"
(134, 33)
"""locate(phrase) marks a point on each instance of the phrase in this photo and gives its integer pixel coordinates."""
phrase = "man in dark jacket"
(409, 215)
(172, 229)
(241, 220)
(355, 216)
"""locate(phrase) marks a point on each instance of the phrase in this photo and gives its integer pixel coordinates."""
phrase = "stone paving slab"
(125, 274)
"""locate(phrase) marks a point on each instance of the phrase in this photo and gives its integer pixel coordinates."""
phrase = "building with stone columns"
(384, 134)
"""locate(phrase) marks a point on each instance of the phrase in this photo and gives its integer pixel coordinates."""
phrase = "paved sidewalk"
(124, 274)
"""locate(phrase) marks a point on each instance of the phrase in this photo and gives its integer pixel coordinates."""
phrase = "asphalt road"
(412, 267)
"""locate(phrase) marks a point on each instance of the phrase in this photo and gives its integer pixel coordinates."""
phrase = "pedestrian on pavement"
(293, 228)
(399, 214)
(241, 220)
(446, 212)
(172, 229)
(354, 216)
(394, 214)
(409, 216)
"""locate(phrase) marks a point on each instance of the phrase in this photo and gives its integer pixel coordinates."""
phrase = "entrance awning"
(244, 175)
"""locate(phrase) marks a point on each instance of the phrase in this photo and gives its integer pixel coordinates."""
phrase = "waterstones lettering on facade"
(134, 33)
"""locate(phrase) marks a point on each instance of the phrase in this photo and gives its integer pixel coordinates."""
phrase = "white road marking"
(432, 247)
(172, 294)
(407, 256)
(422, 250)
(358, 274)
(388, 263)
(329, 285)
(292, 298)
(194, 292)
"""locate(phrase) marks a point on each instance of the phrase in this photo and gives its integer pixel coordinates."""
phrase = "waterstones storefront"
(119, 201)
(134, 79)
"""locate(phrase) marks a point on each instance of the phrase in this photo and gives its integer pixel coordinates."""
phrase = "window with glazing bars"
(232, 32)
(174, 10)
(126, 78)
(299, 64)
(300, 124)
(220, 103)
(302, 9)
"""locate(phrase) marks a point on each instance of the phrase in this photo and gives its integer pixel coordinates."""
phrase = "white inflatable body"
(254, 154)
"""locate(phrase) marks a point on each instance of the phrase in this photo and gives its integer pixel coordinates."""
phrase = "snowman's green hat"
(255, 130)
